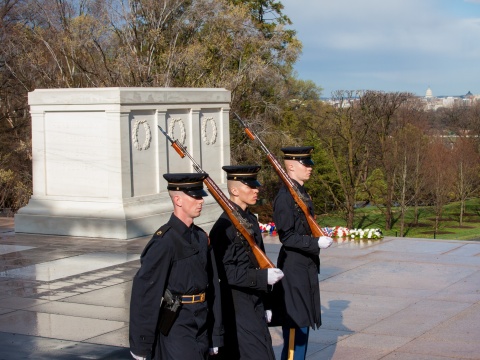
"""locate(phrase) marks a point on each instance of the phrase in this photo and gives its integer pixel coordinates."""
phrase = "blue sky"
(389, 45)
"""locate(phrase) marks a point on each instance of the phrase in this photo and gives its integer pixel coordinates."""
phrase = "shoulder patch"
(160, 232)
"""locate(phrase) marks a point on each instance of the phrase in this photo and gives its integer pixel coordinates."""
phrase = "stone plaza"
(396, 298)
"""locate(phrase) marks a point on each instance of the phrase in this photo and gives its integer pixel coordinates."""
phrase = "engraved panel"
(76, 154)
(144, 170)
(212, 143)
(180, 128)
(208, 123)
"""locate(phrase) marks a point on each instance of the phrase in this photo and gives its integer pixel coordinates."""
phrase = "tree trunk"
(462, 210)
(402, 221)
(403, 205)
(415, 213)
(350, 207)
(388, 216)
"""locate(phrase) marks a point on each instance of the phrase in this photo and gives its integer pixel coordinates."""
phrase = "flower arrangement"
(268, 228)
(343, 232)
(366, 234)
(334, 232)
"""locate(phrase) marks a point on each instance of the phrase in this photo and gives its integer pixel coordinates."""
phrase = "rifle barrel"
(237, 220)
(298, 197)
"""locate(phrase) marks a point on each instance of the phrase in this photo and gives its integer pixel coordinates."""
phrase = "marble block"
(99, 157)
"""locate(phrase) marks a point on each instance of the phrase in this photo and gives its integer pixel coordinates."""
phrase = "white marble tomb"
(98, 157)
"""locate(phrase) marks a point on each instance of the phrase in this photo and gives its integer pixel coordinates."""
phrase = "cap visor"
(307, 162)
(196, 193)
(254, 183)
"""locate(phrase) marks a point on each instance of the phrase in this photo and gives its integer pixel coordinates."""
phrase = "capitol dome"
(429, 93)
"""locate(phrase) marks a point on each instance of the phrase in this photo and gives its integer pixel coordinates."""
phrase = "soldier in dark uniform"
(178, 265)
(298, 257)
(243, 284)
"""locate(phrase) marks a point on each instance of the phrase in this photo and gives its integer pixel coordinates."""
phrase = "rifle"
(298, 197)
(241, 224)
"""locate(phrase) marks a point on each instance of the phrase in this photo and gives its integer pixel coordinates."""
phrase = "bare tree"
(473, 116)
(411, 144)
(179, 43)
(15, 149)
(466, 162)
(343, 134)
(380, 110)
(439, 179)
(454, 119)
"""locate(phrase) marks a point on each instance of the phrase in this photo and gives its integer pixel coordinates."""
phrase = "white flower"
(369, 233)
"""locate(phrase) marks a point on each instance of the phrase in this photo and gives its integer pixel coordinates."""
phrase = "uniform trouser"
(295, 342)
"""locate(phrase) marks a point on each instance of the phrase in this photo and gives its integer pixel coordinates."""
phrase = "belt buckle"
(193, 298)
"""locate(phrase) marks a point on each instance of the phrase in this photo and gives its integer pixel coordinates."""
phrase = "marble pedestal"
(98, 157)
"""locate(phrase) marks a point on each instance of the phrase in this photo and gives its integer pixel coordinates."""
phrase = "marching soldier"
(178, 271)
(243, 284)
(298, 257)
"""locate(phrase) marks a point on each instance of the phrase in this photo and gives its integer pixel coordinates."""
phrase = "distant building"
(434, 103)
(431, 102)
(428, 93)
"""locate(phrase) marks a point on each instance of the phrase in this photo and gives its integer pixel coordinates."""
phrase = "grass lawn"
(449, 227)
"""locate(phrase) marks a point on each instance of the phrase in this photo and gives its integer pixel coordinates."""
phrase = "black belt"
(192, 299)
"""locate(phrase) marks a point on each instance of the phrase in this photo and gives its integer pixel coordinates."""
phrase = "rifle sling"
(240, 239)
(303, 219)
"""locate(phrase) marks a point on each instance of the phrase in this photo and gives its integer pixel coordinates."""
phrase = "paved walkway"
(398, 298)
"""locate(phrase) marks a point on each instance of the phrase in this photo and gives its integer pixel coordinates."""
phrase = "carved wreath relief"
(171, 128)
(213, 138)
(206, 123)
(148, 135)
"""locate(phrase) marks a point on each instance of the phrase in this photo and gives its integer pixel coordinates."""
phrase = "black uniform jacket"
(299, 260)
(243, 287)
(177, 258)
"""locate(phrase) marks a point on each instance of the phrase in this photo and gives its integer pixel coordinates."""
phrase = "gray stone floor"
(398, 298)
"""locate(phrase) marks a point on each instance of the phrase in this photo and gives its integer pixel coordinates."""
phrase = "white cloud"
(387, 43)
(374, 24)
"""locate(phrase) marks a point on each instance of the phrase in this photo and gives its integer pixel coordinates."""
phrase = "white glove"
(213, 351)
(324, 242)
(268, 315)
(274, 275)
(136, 357)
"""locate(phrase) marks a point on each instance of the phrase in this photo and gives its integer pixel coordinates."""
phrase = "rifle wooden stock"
(227, 206)
(262, 259)
(287, 180)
